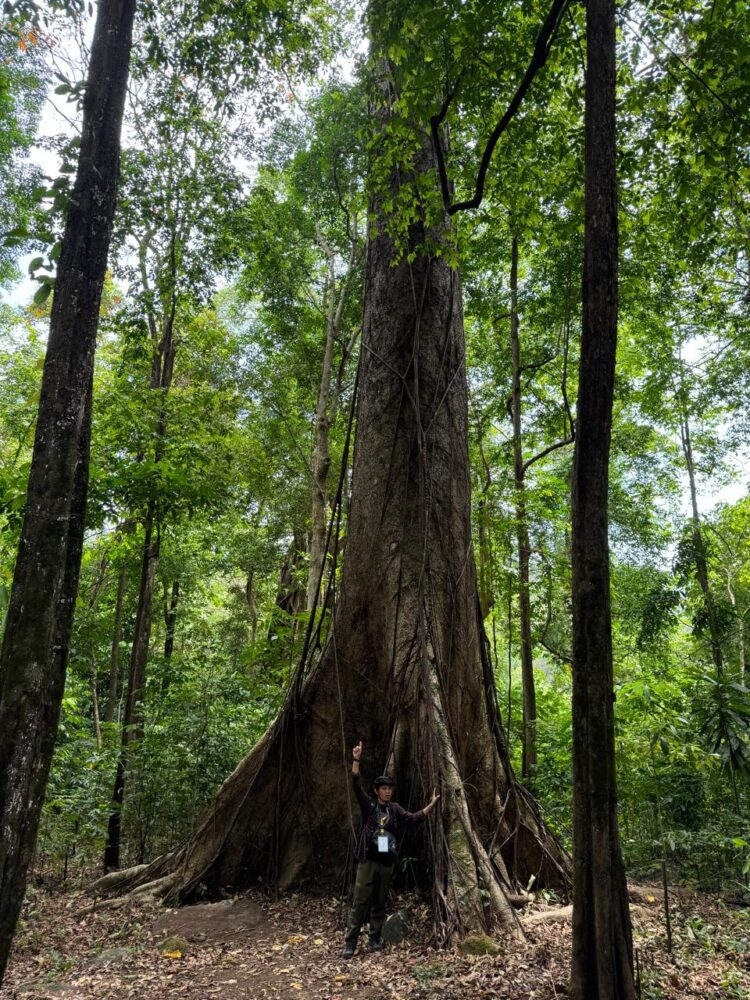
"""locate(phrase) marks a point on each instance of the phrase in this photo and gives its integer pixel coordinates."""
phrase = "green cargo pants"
(370, 896)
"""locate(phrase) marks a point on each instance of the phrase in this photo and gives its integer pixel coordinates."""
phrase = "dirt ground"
(255, 948)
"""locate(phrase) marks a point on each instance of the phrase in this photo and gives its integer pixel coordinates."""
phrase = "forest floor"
(257, 948)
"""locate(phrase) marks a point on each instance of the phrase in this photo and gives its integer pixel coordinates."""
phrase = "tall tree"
(521, 466)
(35, 644)
(602, 961)
(405, 666)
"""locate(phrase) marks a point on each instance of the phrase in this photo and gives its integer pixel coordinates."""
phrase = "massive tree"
(405, 666)
(602, 965)
(35, 645)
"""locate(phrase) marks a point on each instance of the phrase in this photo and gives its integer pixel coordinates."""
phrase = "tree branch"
(547, 451)
(539, 58)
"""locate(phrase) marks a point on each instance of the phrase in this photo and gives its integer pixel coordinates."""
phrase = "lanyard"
(384, 816)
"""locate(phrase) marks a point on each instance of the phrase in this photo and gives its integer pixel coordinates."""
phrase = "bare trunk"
(602, 958)
(114, 660)
(36, 639)
(528, 765)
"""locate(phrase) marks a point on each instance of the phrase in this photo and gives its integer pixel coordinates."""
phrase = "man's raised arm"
(356, 779)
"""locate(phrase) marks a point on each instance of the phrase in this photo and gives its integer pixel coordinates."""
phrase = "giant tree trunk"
(35, 645)
(405, 667)
(602, 960)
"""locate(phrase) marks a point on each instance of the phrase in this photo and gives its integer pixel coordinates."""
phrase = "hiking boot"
(375, 944)
(348, 951)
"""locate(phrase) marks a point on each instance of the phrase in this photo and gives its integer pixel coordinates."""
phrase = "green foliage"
(726, 722)
(22, 77)
(241, 219)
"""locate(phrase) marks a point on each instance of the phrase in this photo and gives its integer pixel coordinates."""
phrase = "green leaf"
(42, 293)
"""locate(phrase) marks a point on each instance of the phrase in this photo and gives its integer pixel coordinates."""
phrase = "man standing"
(382, 826)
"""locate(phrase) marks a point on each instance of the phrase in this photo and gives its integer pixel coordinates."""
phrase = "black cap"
(384, 779)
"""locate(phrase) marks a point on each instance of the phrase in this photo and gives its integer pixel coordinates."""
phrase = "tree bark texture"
(114, 660)
(602, 954)
(528, 763)
(405, 666)
(35, 646)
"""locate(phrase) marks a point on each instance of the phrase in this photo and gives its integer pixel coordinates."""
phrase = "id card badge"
(382, 845)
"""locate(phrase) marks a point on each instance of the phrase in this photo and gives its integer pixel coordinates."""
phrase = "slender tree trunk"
(252, 607)
(134, 714)
(484, 582)
(95, 701)
(36, 639)
(528, 764)
(170, 620)
(699, 549)
(114, 660)
(602, 959)
(133, 717)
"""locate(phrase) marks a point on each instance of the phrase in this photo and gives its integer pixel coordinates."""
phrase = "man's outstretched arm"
(417, 817)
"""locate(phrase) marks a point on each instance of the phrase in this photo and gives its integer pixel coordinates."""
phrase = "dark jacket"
(396, 822)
